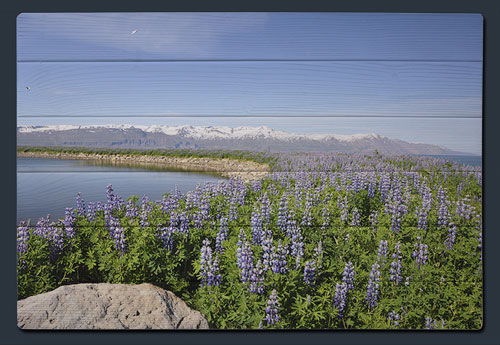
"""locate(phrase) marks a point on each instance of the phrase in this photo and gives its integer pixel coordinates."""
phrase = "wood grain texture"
(423, 89)
(261, 36)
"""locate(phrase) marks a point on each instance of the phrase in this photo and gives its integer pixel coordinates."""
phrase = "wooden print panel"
(249, 170)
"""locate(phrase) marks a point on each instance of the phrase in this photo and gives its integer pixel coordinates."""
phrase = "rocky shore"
(246, 170)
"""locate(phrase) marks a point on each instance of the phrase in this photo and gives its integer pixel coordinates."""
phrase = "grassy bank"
(258, 157)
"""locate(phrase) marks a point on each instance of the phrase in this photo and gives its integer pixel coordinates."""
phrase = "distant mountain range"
(216, 137)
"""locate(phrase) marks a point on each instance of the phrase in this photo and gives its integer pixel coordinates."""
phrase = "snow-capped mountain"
(214, 137)
(208, 132)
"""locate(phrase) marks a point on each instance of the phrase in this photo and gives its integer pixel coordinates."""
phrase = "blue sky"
(415, 77)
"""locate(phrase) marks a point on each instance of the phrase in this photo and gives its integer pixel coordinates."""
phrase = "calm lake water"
(48, 186)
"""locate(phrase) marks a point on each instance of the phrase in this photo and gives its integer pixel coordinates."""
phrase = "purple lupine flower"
(430, 323)
(393, 319)
(373, 286)
(421, 213)
(310, 272)
(348, 275)
(198, 219)
(221, 235)
(257, 278)
(355, 221)
(372, 186)
(256, 186)
(146, 209)
(291, 224)
(215, 276)
(279, 264)
(420, 253)
(56, 237)
(452, 235)
(382, 251)
(131, 210)
(397, 209)
(256, 223)
(205, 259)
(42, 226)
(119, 238)
(23, 236)
(204, 209)
(108, 216)
(91, 211)
(242, 237)
(307, 217)
(384, 186)
(116, 231)
(233, 209)
(341, 289)
(99, 206)
(272, 309)
(182, 221)
(244, 260)
(110, 196)
(340, 298)
(80, 205)
(297, 246)
(282, 213)
(443, 214)
(168, 204)
(395, 270)
(69, 220)
(209, 267)
(267, 252)
(265, 209)
(53, 233)
(464, 210)
(166, 234)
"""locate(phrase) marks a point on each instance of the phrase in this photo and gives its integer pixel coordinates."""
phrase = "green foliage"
(448, 287)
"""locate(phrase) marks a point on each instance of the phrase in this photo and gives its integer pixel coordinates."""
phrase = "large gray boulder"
(107, 306)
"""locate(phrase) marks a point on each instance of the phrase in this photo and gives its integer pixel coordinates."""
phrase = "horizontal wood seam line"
(256, 116)
(238, 60)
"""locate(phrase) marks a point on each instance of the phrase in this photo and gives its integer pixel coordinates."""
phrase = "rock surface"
(107, 306)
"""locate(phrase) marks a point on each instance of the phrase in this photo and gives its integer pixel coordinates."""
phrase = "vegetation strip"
(343, 241)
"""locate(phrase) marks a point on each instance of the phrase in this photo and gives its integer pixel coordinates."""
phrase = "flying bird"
(133, 32)
(27, 88)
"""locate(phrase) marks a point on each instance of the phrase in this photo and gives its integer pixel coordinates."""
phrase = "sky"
(415, 77)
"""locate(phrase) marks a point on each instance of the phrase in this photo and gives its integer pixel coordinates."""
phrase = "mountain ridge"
(260, 138)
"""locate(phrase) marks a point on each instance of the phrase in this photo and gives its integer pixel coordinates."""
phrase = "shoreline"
(247, 171)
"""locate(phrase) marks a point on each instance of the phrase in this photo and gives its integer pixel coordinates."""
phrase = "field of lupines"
(326, 241)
